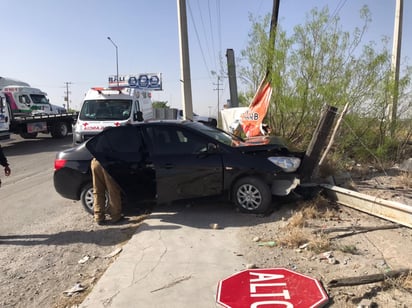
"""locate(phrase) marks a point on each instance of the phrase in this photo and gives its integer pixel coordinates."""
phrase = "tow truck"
(28, 125)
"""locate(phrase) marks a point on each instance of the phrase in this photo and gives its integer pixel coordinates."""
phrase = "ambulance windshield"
(116, 109)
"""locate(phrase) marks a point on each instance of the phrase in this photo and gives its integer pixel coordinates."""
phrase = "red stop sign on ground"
(270, 287)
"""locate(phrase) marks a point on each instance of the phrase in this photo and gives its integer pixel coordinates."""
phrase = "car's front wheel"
(86, 198)
(252, 195)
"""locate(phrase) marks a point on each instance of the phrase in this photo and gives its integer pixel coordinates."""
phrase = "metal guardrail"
(390, 210)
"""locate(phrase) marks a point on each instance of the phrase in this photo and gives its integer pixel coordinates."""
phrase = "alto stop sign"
(270, 287)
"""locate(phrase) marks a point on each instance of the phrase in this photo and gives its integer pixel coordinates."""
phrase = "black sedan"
(165, 161)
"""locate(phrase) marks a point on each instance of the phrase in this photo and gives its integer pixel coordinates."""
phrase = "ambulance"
(105, 107)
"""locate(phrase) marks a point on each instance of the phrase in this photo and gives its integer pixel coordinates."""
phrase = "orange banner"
(253, 117)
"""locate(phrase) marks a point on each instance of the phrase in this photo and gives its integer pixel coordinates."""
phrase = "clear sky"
(47, 43)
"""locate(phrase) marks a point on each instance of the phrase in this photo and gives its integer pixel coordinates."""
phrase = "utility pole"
(184, 61)
(66, 97)
(218, 84)
(396, 56)
(231, 69)
(272, 34)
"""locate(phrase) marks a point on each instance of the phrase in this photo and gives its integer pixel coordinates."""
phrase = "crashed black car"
(165, 161)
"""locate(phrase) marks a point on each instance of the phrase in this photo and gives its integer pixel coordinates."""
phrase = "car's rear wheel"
(86, 198)
(252, 195)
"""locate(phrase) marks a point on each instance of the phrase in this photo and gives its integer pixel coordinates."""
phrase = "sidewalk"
(175, 259)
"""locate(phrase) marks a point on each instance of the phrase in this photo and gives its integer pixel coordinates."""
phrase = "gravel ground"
(38, 268)
(295, 236)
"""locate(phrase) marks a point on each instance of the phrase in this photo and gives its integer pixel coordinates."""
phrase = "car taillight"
(59, 163)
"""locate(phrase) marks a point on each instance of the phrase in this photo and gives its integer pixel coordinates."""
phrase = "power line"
(205, 34)
(211, 31)
(335, 13)
(338, 8)
(198, 39)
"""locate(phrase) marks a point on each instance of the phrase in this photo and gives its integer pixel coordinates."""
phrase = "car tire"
(252, 195)
(86, 197)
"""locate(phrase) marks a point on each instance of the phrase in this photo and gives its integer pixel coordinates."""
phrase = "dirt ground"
(37, 268)
(297, 237)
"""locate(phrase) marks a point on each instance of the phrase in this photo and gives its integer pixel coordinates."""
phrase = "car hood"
(262, 140)
(271, 145)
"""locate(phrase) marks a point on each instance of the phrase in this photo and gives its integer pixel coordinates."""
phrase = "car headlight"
(288, 164)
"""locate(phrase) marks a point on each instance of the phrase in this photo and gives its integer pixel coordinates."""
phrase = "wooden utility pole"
(184, 61)
(231, 70)
(317, 144)
(272, 33)
(218, 84)
(396, 56)
(67, 98)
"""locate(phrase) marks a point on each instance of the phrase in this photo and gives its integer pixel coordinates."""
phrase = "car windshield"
(39, 99)
(217, 134)
(108, 109)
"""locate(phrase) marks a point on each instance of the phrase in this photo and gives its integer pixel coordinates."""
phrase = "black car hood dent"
(271, 145)
(263, 140)
(268, 145)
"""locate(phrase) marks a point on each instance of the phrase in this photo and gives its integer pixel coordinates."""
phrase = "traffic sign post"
(270, 287)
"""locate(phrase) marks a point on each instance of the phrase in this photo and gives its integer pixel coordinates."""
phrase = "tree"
(322, 64)
(160, 104)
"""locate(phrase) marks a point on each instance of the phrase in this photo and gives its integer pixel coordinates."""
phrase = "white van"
(104, 107)
(28, 100)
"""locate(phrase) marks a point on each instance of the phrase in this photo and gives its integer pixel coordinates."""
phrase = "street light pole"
(117, 60)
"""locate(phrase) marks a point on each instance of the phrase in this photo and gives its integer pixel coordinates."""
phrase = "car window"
(176, 140)
(123, 139)
(217, 134)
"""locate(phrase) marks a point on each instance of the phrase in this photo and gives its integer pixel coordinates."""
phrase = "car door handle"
(168, 166)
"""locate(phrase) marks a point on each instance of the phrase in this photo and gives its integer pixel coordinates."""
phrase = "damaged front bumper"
(284, 185)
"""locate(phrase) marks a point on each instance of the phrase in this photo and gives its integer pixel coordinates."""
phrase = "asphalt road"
(42, 235)
(27, 196)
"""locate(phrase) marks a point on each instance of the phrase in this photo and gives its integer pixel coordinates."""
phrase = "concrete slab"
(175, 259)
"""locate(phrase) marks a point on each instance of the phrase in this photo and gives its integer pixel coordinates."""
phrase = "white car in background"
(198, 118)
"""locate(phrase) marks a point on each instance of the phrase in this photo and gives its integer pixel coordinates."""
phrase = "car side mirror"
(138, 116)
(212, 148)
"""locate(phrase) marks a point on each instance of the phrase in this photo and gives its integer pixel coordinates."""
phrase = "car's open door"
(122, 152)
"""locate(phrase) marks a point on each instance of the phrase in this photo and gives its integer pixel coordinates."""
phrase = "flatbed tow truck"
(28, 126)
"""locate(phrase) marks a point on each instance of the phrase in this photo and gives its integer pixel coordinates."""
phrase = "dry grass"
(295, 232)
(406, 180)
(319, 243)
(293, 238)
(403, 282)
(328, 168)
(407, 282)
(352, 249)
